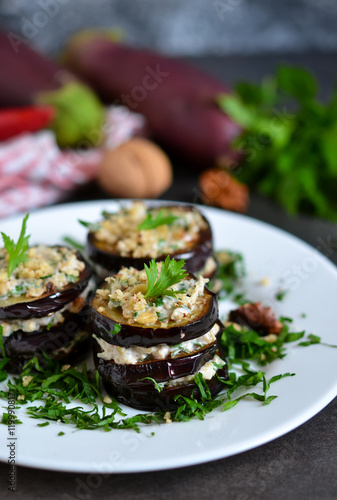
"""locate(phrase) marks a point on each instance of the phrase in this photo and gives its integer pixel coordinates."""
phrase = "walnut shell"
(137, 168)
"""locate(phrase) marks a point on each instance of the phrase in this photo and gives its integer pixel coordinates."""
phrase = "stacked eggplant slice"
(43, 306)
(148, 350)
(136, 234)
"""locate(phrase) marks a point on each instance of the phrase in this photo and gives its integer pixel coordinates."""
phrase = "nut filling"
(124, 295)
(119, 233)
(46, 270)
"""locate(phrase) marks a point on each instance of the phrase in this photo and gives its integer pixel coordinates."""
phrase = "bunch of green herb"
(242, 343)
(289, 141)
(17, 251)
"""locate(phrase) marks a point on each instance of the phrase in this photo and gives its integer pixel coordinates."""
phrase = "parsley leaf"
(160, 219)
(170, 274)
(17, 252)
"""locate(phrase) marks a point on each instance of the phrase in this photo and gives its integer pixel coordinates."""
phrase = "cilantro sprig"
(160, 219)
(17, 252)
(171, 273)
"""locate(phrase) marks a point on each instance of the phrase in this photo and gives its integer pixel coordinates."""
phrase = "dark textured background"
(182, 27)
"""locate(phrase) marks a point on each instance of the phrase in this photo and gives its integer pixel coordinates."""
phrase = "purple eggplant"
(179, 101)
(66, 342)
(103, 324)
(160, 370)
(148, 398)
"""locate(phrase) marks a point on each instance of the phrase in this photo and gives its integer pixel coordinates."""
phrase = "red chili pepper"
(14, 121)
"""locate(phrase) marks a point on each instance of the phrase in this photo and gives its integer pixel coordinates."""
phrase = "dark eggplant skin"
(147, 398)
(103, 325)
(21, 346)
(195, 258)
(48, 303)
(160, 370)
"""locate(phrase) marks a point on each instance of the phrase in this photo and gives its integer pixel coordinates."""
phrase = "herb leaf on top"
(170, 274)
(17, 252)
(160, 219)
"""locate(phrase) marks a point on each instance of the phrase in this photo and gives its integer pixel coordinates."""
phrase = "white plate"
(269, 252)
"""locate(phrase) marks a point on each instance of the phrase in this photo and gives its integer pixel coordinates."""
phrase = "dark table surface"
(300, 465)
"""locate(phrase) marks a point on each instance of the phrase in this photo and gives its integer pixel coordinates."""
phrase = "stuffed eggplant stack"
(154, 330)
(42, 303)
(135, 235)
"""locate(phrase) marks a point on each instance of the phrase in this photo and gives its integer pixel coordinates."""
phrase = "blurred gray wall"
(181, 27)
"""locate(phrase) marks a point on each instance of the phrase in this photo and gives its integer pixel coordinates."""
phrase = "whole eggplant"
(179, 101)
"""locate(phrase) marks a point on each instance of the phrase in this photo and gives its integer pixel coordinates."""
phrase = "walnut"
(221, 189)
(256, 317)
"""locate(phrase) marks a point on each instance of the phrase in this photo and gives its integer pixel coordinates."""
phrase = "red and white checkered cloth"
(34, 172)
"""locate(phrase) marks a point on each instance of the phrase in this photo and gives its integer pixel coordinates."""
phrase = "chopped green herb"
(92, 226)
(50, 324)
(314, 339)
(117, 329)
(231, 269)
(73, 243)
(43, 425)
(9, 419)
(248, 344)
(17, 252)
(61, 433)
(159, 387)
(159, 301)
(281, 294)
(170, 274)
(160, 219)
(71, 278)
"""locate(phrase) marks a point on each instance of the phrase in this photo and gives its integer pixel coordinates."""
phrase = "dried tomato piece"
(256, 317)
(221, 189)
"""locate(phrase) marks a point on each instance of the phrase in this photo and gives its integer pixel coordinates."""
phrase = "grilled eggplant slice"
(103, 324)
(196, 252)
(18, 307)
(160, 370)
(147, 397)
(67, 342)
